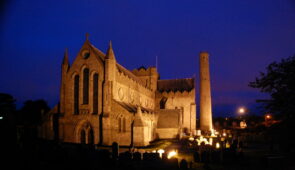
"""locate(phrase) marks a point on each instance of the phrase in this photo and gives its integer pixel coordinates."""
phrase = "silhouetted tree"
(32, 111)
(7, 105)
(29, 117)
(279, 83)
(7, 124)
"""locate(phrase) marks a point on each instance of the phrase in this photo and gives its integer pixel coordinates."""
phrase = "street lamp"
(241, 110)
(268, 117)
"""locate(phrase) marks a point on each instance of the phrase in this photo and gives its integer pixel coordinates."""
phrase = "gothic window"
(83, 136)
(85, 86)
(123, 124)
(76, 94)
(120, 124)
(163, 103)
(95, 93)
(90, 137)
(182, 114)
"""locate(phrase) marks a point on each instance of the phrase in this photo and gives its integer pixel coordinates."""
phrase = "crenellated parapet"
(128, 77)
(142, 71)
(176, 93)
(149, 76)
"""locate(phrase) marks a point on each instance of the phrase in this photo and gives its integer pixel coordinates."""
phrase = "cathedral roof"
(129, 74)
(133, 108)
(176, 85)
(98, 52)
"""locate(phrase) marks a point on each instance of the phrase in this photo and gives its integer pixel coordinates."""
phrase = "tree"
(29, 118)
(279, 83)
(7, 106)
(32, 112)
(7, 123)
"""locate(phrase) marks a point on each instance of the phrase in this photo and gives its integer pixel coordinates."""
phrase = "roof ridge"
(129, 73)
(100, 53)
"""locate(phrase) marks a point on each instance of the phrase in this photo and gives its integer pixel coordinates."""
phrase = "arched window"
(76, 94)
(120, 124)
(163, 103)
(95, 93)
(83, 136)
(85, 86)
(90, 137)
(123, 124)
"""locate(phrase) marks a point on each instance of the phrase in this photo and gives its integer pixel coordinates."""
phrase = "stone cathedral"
(102, 102)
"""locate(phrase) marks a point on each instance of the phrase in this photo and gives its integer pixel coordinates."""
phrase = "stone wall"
(127, 90)
(167, 133)
(181, 100)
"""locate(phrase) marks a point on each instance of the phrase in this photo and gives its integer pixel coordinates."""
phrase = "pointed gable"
(89, 48)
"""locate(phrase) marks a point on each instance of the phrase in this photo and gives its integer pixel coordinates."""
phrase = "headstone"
(137, 156)
(183, 164)
(115, 150)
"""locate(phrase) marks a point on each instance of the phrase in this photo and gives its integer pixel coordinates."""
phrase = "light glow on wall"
(217, 145)
(161, 151)
(171, 154)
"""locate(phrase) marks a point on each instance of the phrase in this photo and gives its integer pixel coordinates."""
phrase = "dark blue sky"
(242, 37)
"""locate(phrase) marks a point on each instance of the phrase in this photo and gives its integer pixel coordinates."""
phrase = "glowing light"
(243, 124)
(227, 145)
(268, 116)
(171, 154)
(241, 110)
(210, 141)
(213, 133)
(201, 138)
(1, 117)
(199, 142)
(191, 139)
(206, 141)
(224, 134)
(154, 151)
(161, 151)
(217, 145)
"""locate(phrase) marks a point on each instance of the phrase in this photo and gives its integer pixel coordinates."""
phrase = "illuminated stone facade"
(205, 94)
(102, 102)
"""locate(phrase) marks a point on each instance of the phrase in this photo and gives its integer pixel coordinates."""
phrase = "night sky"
(242, 37)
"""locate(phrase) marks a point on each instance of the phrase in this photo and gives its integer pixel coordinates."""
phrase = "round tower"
(205, 93)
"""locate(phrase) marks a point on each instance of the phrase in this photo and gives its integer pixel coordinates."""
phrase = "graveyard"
(227, 150)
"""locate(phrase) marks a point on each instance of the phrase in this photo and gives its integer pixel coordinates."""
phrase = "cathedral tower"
(205, 93)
